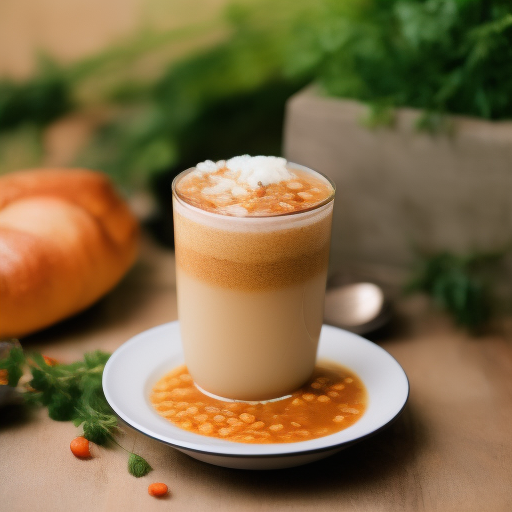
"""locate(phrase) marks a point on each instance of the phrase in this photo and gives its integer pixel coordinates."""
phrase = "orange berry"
(157, 489)
(50, 361)
(80, 447)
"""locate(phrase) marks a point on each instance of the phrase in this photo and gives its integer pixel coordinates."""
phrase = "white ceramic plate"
(139, 363)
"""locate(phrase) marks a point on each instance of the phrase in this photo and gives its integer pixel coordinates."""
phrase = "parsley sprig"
(462, 285)
(72, 392)
(13, 364)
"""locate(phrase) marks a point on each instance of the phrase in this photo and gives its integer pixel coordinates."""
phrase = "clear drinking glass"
(251, 296)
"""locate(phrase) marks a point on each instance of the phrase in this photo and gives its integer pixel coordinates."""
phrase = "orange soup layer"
(333, 399)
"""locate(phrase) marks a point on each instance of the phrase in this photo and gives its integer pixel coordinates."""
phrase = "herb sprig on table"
(462, 285)
(71, 392)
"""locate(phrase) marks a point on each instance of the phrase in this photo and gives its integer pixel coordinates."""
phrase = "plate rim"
(213, 452)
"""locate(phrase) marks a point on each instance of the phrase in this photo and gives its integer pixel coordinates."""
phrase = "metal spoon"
(356, 307)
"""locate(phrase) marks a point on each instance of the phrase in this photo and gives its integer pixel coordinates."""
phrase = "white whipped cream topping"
(245, 170)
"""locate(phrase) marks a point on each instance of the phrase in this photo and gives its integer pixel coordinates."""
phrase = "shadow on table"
(15, 415)
(370, 463)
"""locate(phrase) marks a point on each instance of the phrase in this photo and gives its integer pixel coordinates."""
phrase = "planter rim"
(314, 92)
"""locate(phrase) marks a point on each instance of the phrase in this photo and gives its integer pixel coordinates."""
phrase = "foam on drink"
(252, 186)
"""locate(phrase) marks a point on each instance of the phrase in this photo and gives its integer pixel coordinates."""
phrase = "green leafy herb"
(72, 392)
(14, 366)
(461, 285)
(447, 56)
(98, 427)
(137, 466)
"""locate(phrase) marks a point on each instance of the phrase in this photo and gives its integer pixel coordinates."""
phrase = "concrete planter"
(397, 187)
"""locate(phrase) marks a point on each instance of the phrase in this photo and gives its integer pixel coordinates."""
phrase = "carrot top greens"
(71, 392)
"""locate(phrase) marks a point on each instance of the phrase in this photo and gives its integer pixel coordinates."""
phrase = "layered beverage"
(252, 238)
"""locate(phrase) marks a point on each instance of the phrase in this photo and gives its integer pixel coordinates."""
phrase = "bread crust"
(66, 238)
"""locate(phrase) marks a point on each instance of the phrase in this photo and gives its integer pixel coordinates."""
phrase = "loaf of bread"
(66, 238)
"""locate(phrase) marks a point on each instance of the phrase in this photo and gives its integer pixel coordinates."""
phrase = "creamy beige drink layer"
(252, 257)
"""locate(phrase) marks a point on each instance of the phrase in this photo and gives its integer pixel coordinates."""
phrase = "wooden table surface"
(451, 450)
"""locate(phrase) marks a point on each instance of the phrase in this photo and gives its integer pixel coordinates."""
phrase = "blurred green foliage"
(462, 285)
(21, 147)
(441, 56)
(449, 56)
(38, 101)
(26, 108)
(223, 101)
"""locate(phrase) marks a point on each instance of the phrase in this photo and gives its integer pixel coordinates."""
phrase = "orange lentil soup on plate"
(333, 399)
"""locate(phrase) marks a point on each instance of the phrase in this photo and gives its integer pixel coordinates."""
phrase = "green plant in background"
(26, 108)
(21, 147)
(225, 100)
(441, 56)
(38, 101)
(459, 284)
(233, 92)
